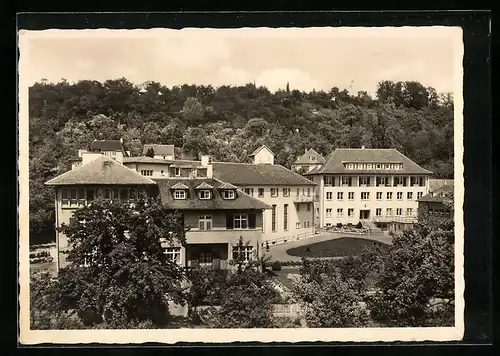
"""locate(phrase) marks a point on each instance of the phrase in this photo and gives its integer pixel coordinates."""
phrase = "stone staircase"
(371, 225)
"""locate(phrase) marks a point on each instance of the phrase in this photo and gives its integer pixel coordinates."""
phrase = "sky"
(316, 58)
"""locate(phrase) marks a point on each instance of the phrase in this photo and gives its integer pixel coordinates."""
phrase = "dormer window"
(179, 194)
(379, 166)
(351, 166)
(229, 194)
(204, 194)
(177, 172)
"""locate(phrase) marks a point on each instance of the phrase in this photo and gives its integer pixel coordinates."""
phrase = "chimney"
(121, 140)
(206, 161)
(305, 150)
(362, 147)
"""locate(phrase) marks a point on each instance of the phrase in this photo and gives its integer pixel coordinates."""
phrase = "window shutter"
(251, 221)
(229, 221)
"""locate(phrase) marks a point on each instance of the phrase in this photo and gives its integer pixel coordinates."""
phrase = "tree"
(328, 299)
(193, 111)
(118, 272)
(150, 152)
(196, 142)
(416, 286)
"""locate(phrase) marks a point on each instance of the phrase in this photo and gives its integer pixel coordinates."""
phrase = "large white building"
(290, 195)
(379, 187)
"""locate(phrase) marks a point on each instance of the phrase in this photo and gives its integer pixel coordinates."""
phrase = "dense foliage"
(119, 273)
(229, 123)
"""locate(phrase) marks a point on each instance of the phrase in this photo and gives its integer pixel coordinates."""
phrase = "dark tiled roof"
(242, 200)
(159, 149)
(103, 170)
(204, 185)
(106, 145)
(145, 159)
(334, 162)
(227, 186)
(242, 174)
(440, 195)
(260, 148)
(304, 159)
(179, 186)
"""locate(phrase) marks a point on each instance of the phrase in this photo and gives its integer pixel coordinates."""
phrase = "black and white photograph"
(250, 184)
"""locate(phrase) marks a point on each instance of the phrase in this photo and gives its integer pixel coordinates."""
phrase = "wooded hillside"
(229, 123)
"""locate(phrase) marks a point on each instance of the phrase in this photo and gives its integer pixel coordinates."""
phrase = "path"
(278, 252)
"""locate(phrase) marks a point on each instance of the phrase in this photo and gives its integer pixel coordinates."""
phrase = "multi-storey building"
(308, 161)
(217, 213)
(379, 187)
(290, 195)
(434, 204)
(110, 148)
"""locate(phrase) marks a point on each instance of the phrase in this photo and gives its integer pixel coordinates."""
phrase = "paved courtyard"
(278, 252)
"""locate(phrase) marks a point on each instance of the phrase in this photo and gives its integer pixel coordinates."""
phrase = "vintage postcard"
(238, 185)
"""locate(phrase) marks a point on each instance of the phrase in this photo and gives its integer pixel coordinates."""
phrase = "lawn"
(340, 247)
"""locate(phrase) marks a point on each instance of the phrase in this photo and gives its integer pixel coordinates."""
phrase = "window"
(399, 211)
(360, 166)
(387, 166)
(389, 195)
(273, 218)
(285, 217)
(147, 172)
(350, 195)
(249, 191)
(261, 192)
(309, 206)
(350, 212)
(297, 208)
(409, 211)
(243, 252)
(340, 196)
(274, 192)
(328, 213)
(204, 194)
(431, 211)
(328, 195)
(328, 224)
(346, 181)
(123, 194)
(382, 181)
(388, 211)
(177, 172)
(297, 225)
(161, 172)
(409, 195)
(364, 181)
(205, 222)
(369, 166)
(308, 192)
(351, 166)
(400, 181)
(379, 166)
(286, 192)
(329, 181)
(340, 212)
(173, 254)
(180, 194)
(240, 221)
(378, 212)
(419, 195)
(399, 195)
(229, 194)
(74, 197)
(421, 181)
(365, 195)
(379, 195)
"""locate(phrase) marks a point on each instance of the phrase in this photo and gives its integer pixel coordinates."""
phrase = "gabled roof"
(334, 162)
(241, 174)
(227, 186)
(159, 149)
(440, 195)
(204, 185)
(173, 163)
(179, 186)
(192, 202)
(305, 158)
(102, 170)
(259, 149)
(106, 145)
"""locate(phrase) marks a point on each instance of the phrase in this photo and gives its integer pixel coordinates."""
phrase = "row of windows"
(378, 195)
(239, 221)
(285, 218)
(378, 212)
(76, 197)
(181, 194)
(275, 192)
(440, 212)
(363, 166)
(368, 181)
(176, 172)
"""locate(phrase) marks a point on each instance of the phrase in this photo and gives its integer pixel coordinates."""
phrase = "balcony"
(409, 219)
(303, 198)
(195, 236)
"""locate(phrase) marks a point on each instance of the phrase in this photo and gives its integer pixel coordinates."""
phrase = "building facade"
(308, 161)
(438, 202)
(217, 213)
(160, 151)
(378, 187)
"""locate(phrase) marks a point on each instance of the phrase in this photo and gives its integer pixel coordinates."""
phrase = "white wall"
(264, 156)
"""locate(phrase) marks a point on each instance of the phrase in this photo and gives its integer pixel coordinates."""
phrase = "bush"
(276, 266)
(359, 225)
(339, 225)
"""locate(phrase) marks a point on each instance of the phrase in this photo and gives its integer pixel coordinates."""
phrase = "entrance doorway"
(364, 214)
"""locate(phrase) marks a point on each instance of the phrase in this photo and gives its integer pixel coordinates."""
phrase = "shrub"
(276, 266)
(339, 225)
(359, 225)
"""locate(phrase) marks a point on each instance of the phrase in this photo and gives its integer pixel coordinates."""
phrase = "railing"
(286, 239)
(399, 219)
(303, 198)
